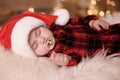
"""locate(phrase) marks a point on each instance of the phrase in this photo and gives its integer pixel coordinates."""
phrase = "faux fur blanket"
(13, 67)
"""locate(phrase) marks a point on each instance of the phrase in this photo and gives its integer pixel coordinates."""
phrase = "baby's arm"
(60, 59)
(93, 21)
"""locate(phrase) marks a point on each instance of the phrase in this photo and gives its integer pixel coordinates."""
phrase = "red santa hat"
(14, 34)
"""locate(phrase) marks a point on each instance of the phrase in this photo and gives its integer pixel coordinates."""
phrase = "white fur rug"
(13, 67)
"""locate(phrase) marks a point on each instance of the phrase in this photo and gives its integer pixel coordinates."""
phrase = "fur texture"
(14, 67)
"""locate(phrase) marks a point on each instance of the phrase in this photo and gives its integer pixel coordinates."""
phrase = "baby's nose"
(41, 39)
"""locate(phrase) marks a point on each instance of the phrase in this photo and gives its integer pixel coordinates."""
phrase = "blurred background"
(11, 8)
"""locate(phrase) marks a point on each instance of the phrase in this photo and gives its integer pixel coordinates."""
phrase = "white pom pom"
(63, 16)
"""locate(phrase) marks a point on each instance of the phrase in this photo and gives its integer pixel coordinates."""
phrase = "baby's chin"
(42, 53)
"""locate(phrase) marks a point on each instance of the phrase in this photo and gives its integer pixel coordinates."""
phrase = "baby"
(41, 40)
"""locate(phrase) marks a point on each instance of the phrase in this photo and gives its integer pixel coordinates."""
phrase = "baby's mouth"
(50, 42)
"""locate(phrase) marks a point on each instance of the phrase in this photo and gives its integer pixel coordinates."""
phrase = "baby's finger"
(97, 28)
(104, 24)
(66, 59)
(58, 57)
(52, 56)
(107, 25)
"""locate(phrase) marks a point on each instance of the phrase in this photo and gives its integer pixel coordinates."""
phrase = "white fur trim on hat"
(20, 34)
(63, 16)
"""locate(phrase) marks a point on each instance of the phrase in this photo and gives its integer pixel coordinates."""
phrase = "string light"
(109, 2)
(107, 12)
(93, 2)
(101, 13)
(89, 12)
(92, 10)
(31, 9)
(112, 3)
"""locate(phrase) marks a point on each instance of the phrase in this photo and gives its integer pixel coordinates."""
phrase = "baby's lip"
(50, 42)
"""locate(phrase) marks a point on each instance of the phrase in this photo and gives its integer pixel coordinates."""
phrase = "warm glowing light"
(95, 11)
(90, 12)
(107, 12)
(31, 9)
(93, 2)
(112, 3)
(101, 13)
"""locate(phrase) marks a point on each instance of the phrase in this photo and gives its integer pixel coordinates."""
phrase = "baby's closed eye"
(34, 45)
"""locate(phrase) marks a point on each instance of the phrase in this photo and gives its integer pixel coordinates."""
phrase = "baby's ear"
(63, 16)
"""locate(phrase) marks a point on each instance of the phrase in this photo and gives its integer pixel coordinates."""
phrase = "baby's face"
(41, 40)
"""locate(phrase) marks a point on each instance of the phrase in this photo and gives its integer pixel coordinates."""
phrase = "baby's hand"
(99, 24)
(60, 59)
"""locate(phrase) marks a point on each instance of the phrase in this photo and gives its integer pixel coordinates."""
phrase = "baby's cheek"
(41, 51)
